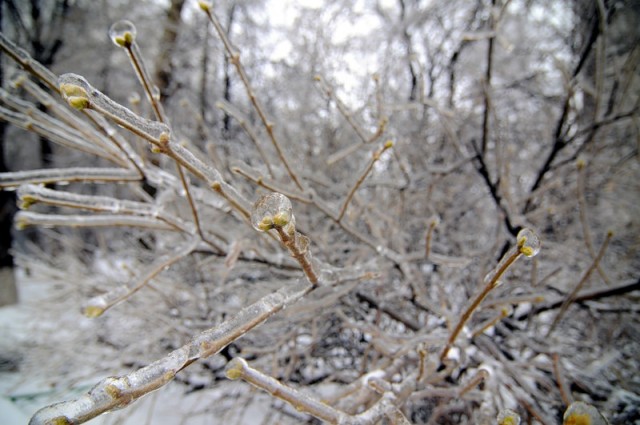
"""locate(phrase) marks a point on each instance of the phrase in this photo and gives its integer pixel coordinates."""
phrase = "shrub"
(361, 277)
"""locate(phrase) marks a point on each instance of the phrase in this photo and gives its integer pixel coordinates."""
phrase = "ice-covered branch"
(239, 369)
(119, 391)
(66, 175)
(30, 194)
(24, 219)
(81, 95)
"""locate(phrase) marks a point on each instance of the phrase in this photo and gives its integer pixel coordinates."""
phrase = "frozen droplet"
(96, 306)
(123, 33)
(508, 417)
(583, 413)
(528, 242)
(93, 311)
(270, 211)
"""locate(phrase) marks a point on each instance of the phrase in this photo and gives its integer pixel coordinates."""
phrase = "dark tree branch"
(493, 189)
(588, 295)
(487, 85)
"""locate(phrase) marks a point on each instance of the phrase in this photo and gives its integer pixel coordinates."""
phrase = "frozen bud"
(235, 368)
(434, 221)
(21, 221)
(204, 5)
(272, 211)
(25, 197)
(75, 90)
(123, 33)
(528, 242)
(508, 417)
(92, 311)
(580, 413)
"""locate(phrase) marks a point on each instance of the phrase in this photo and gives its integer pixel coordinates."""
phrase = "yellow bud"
(93, 311)
(204, 5)
(26, 201)
(78, 103)
(113, 391)
(68, 89)
(21, 223)
(124, 40)
(60, 420)
(76, 96)
(281, 219)
(528, 243)
(508, 417)
(164, 138)
(234, 369)
(266, 223)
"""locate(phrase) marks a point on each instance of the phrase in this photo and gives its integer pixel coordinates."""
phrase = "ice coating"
(80, 94)
(528, 242)
(583, 413)
(58, 175)
(97, 305)
(271, 211)
(75, 90)
(30, 64)
(29, 194)
(123, 33)
(508, 417)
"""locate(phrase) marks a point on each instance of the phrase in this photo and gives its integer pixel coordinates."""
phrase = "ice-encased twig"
(527, 245)
(274, 211)
(269, 185)
(123, 34)
(28, 114)
(27, 62)
(65, 175)
(239, 369)
(81, 94)
(234, 58)
(107, 139)
(29, 194)
(374, 158)
(348, 116)
(123, 146)
(572, 295)
(55, 133)
(96, 306)
(244, 122)
(27, 218)
(117, 392)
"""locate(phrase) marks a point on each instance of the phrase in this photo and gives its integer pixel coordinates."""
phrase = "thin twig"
(234, 58)
(374, 158)
(570, 298)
